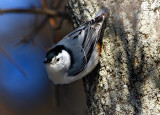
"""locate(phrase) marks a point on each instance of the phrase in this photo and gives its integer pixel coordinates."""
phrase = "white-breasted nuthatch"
(77, 54)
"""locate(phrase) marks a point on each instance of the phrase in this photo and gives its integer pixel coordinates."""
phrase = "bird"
(77, 54)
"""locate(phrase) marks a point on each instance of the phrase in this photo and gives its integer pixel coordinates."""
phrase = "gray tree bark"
(127, 80)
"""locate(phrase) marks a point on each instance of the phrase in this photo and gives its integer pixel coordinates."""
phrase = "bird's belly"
(56, 77)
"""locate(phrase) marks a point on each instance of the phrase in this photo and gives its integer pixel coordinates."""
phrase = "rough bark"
(127, 80)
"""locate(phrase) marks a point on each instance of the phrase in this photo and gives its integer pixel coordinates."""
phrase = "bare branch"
(44, 11)
(2, 50)
(33, 33)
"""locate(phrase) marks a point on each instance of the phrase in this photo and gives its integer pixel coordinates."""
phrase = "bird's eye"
(57, 59)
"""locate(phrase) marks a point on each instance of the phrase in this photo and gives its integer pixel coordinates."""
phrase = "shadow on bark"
(92, 81)
(126, 68)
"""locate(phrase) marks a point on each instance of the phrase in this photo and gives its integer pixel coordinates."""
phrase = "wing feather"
(83, 44)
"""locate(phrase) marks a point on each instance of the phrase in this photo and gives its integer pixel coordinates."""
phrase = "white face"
(57, 69)
(61, 62)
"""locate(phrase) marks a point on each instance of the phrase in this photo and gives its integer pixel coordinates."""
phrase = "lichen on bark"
(127, 79)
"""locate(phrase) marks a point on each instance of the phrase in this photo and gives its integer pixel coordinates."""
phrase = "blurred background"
(27, 29)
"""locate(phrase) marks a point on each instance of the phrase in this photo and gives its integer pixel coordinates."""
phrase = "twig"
(51, 19)
(33, 32)
(61, 20)
(2, 50)
(44, 11)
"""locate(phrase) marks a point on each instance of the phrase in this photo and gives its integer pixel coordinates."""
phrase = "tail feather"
(102, 10)
(101, 16)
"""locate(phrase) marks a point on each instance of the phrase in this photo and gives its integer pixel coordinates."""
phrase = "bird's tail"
(101, 17)
(102, 10)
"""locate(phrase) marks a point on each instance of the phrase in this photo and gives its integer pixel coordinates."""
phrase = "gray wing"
(77, 55)
(82, 42)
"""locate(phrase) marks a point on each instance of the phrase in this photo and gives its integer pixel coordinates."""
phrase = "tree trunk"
(127, 80)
